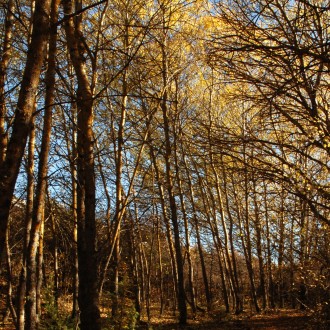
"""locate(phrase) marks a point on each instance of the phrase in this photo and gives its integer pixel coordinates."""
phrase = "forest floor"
(285, 319)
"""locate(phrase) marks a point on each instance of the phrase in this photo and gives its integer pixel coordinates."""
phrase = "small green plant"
(132, 318)
(52, 318)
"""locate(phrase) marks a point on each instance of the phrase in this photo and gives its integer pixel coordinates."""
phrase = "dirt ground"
(284, 320)
(278, 320)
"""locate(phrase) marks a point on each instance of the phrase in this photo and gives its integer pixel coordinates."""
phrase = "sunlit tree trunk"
(71, 142)
(36, 236)
(22, 122)
(119, 169)
(5, 56)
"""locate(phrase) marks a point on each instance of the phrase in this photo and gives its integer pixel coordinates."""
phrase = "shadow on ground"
(266, 322)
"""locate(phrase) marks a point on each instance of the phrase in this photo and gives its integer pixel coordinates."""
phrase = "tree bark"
(169, 183)
(36, 235)
(22, 122)
(27, 231)
(10, 304)
(88, 297)
(24, 281)
(5, 56)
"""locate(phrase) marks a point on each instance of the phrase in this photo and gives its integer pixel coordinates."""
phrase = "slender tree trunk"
(75, 291)
(10, 304)
(237, 291)
(22, 122)
(73, 171)
(176, 134)
(134, 268)
(227, 257)
(114, 287)
(203, 266)
(160, 266)
(26, 283)
(28, 225)
(40, 264)
(188, 254)
(36, 235)
(248, 242)
(55, 258)
(257, 226)
(187, 237)
(200, 247)
(281, 251)
(245, 241)
(87, 257)
(119, 170)
(303, 251)
(292, 265)
(169, 183)
(5, 56)
(167, 223)
(214, 228)
(194, 213)
(271, 301)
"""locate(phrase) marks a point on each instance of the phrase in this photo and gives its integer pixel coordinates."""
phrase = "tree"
(23, 114)
(278, 50)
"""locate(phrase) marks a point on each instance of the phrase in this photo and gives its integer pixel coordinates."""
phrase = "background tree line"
(162, 156)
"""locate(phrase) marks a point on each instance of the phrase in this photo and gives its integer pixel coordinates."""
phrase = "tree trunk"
(169, 183)
(247, 228)
(208, 207)
(271, 301)
(36, 235)
(237, 290)
(28, 225)
(40, 268)
(280, 257)
(87, 257)
(5, 56)
(160, 266)
(167, 223)
(10, 305)
(191, 288)
(25, 275)
(72, 136)
(257, 224)
(22, 122)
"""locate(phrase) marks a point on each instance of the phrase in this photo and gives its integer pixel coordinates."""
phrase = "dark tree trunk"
(88, 297)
